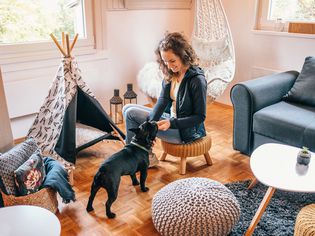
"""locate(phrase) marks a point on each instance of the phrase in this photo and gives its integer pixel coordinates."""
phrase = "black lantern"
(116, 103)
(130, 96)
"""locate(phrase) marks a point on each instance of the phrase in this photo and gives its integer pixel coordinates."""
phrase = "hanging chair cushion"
(304, 86)
(30, 175)
(12, 160)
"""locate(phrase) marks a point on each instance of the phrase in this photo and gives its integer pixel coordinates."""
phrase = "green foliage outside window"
(292, 10)
(29, 21)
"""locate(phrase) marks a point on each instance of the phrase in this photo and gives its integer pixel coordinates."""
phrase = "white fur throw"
(150, 79)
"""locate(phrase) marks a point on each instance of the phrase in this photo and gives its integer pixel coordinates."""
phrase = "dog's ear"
(135, 130)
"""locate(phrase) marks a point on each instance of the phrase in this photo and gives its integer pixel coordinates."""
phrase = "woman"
(181, 107)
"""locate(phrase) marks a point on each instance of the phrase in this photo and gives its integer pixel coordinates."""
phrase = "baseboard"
(19, 140)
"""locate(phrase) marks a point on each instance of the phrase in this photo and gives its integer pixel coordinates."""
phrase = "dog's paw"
(135, 183)
(145, 189)
(89, 208)
(111, 215)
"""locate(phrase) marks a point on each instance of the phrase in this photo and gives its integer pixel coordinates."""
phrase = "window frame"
(41, 50)
(262, 14)
(148, 4)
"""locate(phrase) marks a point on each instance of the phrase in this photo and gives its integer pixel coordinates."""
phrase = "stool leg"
(182, 170)
(208, 159)
(163, 157)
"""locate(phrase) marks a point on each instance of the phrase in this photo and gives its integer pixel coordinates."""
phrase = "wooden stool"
(305, 221)
(196, 148)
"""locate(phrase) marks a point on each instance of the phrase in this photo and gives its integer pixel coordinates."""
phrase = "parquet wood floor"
(133, 207)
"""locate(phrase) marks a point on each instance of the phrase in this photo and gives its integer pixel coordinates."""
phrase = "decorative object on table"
(280, 215)
(195, 206)
(130, 96)
(116, 104)
(304, 156)
(69, 101)
(213, 43)
(305, 221)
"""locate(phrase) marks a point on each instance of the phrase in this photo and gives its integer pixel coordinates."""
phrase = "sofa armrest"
(250, 96)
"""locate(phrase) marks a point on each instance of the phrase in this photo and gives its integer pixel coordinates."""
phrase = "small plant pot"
(304, 157)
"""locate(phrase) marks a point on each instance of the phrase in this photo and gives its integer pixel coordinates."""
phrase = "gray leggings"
(135, 115)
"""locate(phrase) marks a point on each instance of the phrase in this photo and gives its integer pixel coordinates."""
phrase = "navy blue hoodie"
(190, 105)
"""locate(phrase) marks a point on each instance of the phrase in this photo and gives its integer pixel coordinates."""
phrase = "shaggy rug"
(279, 217)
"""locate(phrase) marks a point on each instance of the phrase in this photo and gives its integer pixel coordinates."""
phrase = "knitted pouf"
(195, 206)
(305, 221)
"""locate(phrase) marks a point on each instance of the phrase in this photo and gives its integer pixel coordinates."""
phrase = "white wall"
(131, 38)
(260, 54)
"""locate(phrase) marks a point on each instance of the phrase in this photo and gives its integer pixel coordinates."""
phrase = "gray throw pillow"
(303, 90)
(12, 159)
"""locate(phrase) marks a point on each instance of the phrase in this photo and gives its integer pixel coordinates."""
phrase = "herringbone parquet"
(133, 207)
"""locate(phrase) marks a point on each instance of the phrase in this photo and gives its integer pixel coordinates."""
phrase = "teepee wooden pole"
(74, 41)
(63, 40)
(68, 46)
(58, 45)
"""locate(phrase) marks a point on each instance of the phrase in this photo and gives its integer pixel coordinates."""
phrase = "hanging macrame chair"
(212, 41)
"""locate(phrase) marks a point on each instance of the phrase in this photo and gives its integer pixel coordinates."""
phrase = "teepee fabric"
(69, 102)
(212, 41)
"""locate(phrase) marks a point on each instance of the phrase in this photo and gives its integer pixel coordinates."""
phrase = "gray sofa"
(262, 116)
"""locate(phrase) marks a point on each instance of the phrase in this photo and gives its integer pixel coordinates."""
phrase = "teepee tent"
(71, 118)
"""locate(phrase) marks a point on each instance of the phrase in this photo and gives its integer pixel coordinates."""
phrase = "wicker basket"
(46, 198)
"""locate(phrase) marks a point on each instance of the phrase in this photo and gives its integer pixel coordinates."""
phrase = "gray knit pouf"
(195, 206)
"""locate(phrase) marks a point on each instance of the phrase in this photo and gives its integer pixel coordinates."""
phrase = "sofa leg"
(208, 159)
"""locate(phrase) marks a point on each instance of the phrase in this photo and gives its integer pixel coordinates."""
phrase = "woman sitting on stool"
(181, 107)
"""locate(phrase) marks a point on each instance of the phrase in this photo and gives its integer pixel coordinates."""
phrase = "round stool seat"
(199, 147)
(305, 221)
(196, 148)
(195, 206)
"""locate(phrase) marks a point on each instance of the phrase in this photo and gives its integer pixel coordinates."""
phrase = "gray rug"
(279, 217)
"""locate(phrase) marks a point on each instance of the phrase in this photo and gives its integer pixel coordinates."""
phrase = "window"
(24, 21)
(25, 27)
(292, 10)
(275, 15)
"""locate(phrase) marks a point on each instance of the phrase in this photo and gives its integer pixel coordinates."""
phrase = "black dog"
(132, 158)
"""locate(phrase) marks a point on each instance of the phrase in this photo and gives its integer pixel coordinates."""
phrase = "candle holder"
(130, 96)
(116, 103)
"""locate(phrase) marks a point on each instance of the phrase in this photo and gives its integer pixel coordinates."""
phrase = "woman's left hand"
(164, 124)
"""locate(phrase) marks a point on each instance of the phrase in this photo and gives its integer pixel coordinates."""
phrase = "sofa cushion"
(30, 175)
(304, 86)
(11, 160)
(286, 122)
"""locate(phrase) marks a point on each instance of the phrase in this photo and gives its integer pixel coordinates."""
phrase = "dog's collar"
(139, 146)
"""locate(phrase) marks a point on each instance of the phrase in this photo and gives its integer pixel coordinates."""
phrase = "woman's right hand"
(163, 124)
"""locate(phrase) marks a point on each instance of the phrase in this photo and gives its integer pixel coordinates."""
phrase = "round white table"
(275, 166)
(28, 221)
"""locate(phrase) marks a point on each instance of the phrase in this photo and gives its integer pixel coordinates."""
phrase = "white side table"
(275, 166)
(28, 221)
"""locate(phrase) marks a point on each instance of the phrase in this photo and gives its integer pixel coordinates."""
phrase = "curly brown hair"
(180, 47)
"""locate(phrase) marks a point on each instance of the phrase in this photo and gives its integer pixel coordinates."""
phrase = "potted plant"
(304, 156)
